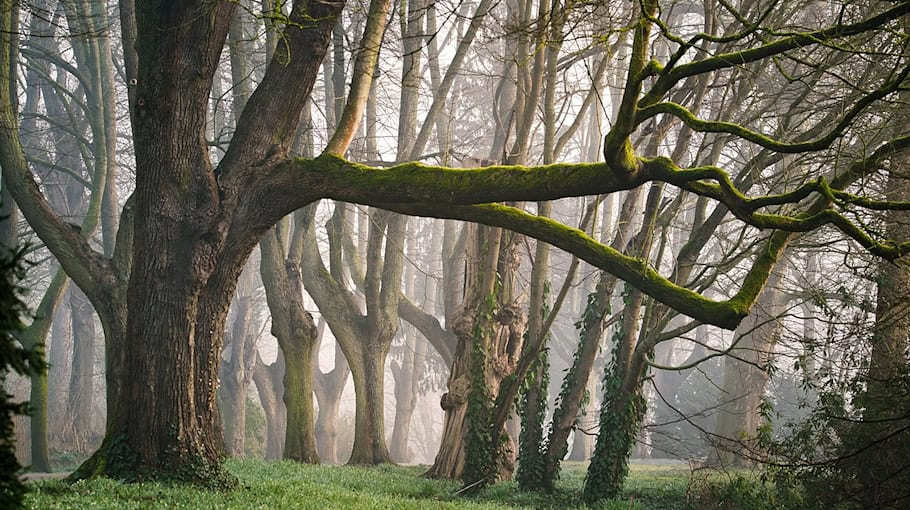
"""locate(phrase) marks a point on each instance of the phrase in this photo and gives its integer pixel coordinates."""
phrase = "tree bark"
(329, 387)
(269, 384)
(406, 375)
(79, 405)
(745, 377)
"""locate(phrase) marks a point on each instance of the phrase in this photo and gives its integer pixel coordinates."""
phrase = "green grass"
(279, 485)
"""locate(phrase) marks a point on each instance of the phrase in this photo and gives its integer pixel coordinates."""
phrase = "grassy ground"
(280, 485)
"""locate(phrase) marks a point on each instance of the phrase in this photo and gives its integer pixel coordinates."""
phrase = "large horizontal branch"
(300, 181)
(424, 190)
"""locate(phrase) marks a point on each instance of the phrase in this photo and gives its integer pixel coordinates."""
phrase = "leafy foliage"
(13, 357)
(842, 456)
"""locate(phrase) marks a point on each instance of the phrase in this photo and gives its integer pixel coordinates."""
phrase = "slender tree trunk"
(406, 375)
(745, 377)
(79, 403)
(269, 384)
(329, 387)
(59, 370)
(237, 372)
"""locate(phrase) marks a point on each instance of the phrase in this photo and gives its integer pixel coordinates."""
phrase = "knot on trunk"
(463, 326)
(457, 394)
(509, 315)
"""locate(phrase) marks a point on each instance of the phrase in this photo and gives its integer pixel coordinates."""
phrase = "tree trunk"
(449, 462)
(592, 329)
(368, 372)
(79, 403)
(406, 375)
(329, 387)
(237, 372)
(622, 411)
(745, 376)
(268, 380)
(293, 327)
(496, 337)
(59, 370)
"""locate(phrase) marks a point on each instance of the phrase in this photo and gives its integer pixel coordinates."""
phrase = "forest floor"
(279, 485)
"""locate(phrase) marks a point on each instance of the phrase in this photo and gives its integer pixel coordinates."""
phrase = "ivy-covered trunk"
(533, 410)
(489, 330)
(623, 408)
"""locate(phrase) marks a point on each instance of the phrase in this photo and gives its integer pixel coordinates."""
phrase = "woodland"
(526, 243)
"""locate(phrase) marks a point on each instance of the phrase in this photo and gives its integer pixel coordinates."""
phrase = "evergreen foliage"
(13, 358)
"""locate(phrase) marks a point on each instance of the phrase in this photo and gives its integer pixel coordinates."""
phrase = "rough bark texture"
(492, 258)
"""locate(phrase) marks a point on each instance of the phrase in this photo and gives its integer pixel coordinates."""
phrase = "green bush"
(13, 358)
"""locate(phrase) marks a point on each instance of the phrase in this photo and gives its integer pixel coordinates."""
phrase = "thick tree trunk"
(492, 258)
(300, 439)
(295, 331)
(449, 462)
(368, 372)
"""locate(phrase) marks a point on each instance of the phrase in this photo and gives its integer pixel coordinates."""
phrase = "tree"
(189, 227)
